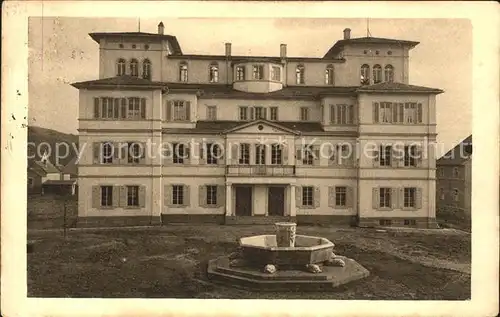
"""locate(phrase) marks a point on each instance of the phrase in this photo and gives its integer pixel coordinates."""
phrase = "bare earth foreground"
(170, 262)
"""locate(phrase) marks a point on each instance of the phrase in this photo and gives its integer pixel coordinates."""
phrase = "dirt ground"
(170, 262)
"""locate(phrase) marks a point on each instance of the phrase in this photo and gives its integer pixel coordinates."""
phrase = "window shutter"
(375, 112)
(351, 114)
(395, 112)
(188, 110)
(419, 113)
(317, 158)
(331, 196)
(167, 195)
(298, 196)
(252, 113)
(394, 198)
(96, 108)
(116, 153)
(96, 196)
(123, 196)
(97, 152)
(396, 157)
(264, 113)
(401, 112)
(142, 196)
(123, 153)
(170, 105)
(143, 108)
(202, 160)
(317, 197)
(375, 157)
(401, 198)
(187, 196)
(168, 153)
(298, 157)
(418, 198)
(221, 195)
(375, 198)
(123, 108)
(187, 154)
(284, 154)
(419, 156)
(349, 197)
(202, 196)
(235, 153)
(116, 196)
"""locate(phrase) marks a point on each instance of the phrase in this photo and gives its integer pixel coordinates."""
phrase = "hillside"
(43, 138)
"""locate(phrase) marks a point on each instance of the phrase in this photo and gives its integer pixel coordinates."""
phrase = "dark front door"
(276, 201)
(243, 201)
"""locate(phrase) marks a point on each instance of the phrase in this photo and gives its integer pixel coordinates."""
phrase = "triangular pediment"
(261, 127)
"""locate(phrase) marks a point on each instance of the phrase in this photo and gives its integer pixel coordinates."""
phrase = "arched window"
(389, 73)
(120, 67)
(300, 74)
(183, 72)
(146, 69)
(213, 75)
(329, 75)
(377, 74)
(134, 67)
(365, 75)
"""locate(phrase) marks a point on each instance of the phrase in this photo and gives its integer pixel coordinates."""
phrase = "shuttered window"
(340, 196)
(133, 196)
(385, 197)
(244, 154)
(243, 113)
(106, 196)
(211, 195)
(307, 196)
(410, 197)
(120, 108)
(177, 195)
(276, 154)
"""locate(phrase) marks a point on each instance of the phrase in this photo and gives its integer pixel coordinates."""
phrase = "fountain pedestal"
(285, 234)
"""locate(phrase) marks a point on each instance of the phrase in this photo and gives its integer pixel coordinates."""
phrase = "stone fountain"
(285, 261)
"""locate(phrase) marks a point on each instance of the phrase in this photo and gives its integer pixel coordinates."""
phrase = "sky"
(61, 52)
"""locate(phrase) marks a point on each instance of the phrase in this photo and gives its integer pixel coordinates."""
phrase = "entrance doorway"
(276, 201)
(243, 201)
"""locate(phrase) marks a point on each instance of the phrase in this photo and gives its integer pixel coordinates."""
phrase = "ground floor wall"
(219, 200)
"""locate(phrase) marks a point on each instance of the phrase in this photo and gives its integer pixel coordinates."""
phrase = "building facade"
(454, 179)
(173, 137)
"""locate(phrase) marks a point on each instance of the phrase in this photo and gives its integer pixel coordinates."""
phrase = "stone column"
(285, 234)
(229, 201)
(293, 211)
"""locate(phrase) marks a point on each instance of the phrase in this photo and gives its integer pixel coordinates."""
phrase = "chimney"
(283, 51)
(161, 28)
(347, 34)
(228, 49)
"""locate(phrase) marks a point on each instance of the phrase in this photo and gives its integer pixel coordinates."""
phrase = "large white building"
(174, 137)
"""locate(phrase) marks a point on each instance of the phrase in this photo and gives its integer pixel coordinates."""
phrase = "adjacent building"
(46, 178)
(454, 178)
(176, 137)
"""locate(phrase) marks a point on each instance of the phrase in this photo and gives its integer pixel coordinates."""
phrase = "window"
(106, 196)
(410, 222)
(410, 112)
(134, 67)
(179, 110)
(212, 153)
(340, 196)
(183, 72)
(385, 112)
(342, 114)
(385, 222)
(329, 75)
(133, 196)
(243, 113)
(276, 154)
(299, 74)
(365, 75)
(307, 196)
(260, 154)
(211, 113)
(135, 152)
(31, 182)
(177, 195)
(385, 155)
(377, 74)
(441, 171)
(120, 67)
(116, 108)
(304, 114)
(146, 47)
(120, 45)
(107, 153)
(274, 113)
(134, 108)
(214, 73)
(134, 46)
(455, 194)
(410, 197)
(260, 112)
(308, 156)
(240, 73)
(146, 69)
(211, 195)
(344, 152)
(455, 172)
(410, 156)
(258, 72)
(385, 198)
(441, 194)
(244, 153)
(108, 108)
(178, 153)
(389, 73)
(404, 113)
(276, 73)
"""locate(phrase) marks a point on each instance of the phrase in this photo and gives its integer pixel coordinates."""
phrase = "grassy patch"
(170, 262)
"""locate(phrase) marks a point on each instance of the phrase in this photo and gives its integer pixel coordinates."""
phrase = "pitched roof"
(221, 126)
(459, 154)
(366, 40)
(59, 182)
(398, 88)
(262, 121)
(241, 58)
(71, 168)
(153, 36)
(120, 81)
(46, 167)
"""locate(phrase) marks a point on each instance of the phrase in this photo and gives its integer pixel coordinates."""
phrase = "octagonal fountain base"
(250, 277)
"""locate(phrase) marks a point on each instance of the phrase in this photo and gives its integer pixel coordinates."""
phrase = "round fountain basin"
(262, 250)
